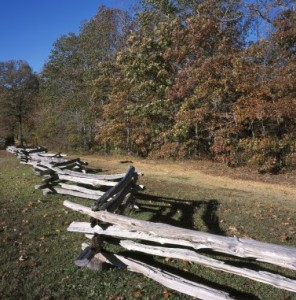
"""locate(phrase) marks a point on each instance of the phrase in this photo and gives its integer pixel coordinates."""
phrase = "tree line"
(167, 79)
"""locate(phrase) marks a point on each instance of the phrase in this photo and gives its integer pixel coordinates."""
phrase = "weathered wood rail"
(132, 229)
(21, 150)
(71, 177)
(113, 195)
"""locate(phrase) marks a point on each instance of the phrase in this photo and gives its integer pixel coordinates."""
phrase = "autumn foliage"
(177, 79)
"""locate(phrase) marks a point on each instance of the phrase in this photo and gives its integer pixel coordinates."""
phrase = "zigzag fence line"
(113, 197)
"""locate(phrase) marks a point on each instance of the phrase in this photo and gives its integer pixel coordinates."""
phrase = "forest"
(179, 79)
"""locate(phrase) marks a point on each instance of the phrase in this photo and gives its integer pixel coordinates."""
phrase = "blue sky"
(28, 28)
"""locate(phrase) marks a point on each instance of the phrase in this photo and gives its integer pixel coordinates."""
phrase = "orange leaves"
(286, 223)
(233, 230)
(185, 87)
(284, 237)
(167, 294)
(138, 294)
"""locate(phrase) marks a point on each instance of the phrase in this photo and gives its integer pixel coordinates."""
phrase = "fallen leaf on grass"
(30, 204)
(186, 262)
(167, 294)
(137, 294)
(168, 259)
(285, 237)
(233, 230)
(115, 298)
(22, 258)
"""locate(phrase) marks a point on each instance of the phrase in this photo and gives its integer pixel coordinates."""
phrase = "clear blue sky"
(28, 28)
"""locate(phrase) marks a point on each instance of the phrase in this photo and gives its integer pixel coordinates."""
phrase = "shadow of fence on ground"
(180, 212)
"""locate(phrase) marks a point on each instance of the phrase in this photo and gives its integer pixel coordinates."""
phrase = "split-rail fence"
(112, 198)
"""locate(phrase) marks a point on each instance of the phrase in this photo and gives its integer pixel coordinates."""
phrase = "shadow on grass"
(250, 264)
(184, 213)
(180, 212)
(234, 293)
(187, 275)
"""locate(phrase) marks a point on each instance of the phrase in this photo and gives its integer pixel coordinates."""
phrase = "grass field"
(37, 252)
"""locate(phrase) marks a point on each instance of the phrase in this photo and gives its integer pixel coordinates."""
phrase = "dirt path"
(195, 177)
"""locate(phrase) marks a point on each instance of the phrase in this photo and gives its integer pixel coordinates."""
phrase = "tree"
(64, 94)
(184, 78)
(202, 52)
(145, 75)
(18, 89)
(266, 110)
(67, 80)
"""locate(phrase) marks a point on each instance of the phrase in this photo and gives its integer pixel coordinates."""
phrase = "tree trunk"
(20, 130)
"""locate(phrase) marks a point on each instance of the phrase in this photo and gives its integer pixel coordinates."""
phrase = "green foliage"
(69, 97)
(18, 91)
(139, 84)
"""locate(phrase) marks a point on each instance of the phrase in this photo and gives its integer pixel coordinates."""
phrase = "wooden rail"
(112, 194)
(132, 229)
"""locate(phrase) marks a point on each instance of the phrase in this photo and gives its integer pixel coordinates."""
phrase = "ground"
(36, 258)
(204, 175)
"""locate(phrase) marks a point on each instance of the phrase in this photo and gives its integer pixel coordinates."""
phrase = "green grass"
(37, 252)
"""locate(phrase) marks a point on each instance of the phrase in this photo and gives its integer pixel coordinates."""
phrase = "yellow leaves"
(233, 230)
(162, 73)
